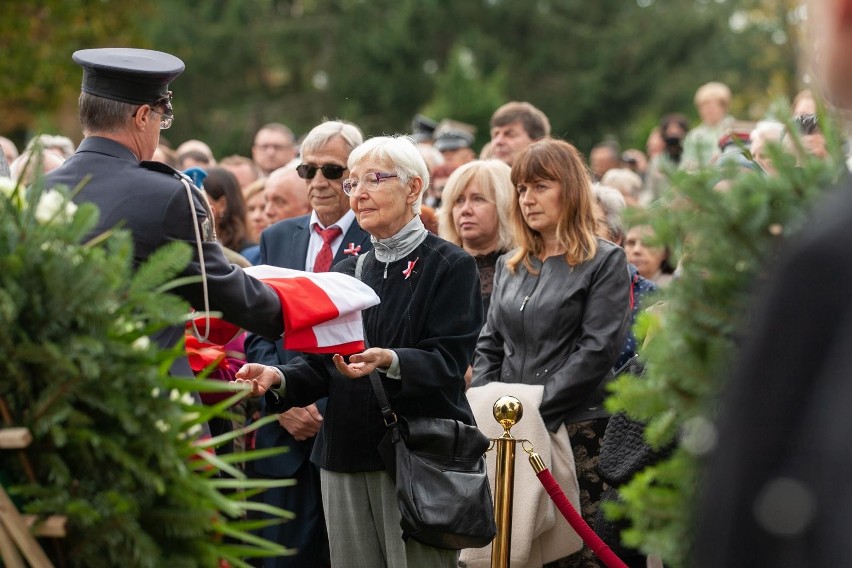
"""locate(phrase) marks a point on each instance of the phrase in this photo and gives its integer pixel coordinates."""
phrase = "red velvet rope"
(574, 519)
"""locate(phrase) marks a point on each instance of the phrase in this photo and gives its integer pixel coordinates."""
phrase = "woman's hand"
(362, 364)
(257, 378)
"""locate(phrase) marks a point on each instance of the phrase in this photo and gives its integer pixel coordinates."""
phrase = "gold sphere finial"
(508, 411)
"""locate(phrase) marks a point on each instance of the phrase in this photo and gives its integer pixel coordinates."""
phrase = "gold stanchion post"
(508, 411)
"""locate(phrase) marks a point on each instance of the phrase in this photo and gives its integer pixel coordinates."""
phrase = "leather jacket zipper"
(523, 319)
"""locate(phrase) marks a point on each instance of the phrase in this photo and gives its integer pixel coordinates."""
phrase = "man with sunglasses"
(313, 242)
(124, 104)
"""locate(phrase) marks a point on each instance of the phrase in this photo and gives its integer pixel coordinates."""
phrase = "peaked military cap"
(452, 135)
(422, 128)
(135, 76)
(453, 140)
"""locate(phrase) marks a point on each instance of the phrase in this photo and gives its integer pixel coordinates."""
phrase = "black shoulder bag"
(441, 480)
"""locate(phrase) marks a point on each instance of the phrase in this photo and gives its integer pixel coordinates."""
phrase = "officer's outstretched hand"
(257, 378)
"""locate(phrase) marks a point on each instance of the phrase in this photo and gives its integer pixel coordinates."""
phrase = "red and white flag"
(322, 310)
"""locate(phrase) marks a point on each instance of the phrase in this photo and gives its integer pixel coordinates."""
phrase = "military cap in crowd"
(453, 135)
(422, 128)
(128, 75)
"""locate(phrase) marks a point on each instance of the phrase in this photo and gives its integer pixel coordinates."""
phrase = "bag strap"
(384, 403)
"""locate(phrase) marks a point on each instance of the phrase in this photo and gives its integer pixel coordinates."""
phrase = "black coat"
(779, 487)
(285, 244)
(431, 320)
(150, 200)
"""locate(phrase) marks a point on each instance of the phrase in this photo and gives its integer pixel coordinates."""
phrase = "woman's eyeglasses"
(329, 171)
(369, 182)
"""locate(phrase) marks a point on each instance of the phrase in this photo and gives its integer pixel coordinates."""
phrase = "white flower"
(10, 190)
(194, 431)
(162, 426)
(142, 343)
(53, 205)
(7, 187)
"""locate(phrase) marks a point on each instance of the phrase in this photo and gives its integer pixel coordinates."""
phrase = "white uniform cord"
(198, 243)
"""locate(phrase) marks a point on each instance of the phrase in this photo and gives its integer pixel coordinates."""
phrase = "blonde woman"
(475, 215)
(560, 307)
(256, 220)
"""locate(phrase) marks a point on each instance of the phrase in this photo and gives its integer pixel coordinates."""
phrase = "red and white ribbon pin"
(408, 270)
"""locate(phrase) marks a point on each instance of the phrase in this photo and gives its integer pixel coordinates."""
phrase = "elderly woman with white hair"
(421, 339)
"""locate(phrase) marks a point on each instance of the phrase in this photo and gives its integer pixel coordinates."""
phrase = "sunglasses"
(329, 171)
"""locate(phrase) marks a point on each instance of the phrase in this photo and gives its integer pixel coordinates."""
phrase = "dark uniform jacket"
(285, 244)
(150, 200)
(430, 318)
(562, 328)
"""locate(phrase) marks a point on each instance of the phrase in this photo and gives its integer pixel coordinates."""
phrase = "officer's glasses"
(369, 182)
(166, 117)
(166, 120)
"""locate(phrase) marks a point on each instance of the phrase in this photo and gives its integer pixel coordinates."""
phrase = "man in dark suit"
(314, 243)
(124, 104)
(778, 489)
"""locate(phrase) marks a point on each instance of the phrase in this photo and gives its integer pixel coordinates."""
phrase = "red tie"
(324, 256)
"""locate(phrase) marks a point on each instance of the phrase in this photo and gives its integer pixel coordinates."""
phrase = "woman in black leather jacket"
(560, 308)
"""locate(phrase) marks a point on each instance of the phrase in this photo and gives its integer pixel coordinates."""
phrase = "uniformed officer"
(124, 104)
(455, 142)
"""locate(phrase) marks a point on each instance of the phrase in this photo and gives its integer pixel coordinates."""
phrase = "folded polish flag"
(202, 355)
(322, 310)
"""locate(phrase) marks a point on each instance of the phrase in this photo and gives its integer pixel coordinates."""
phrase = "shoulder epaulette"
(166, 169)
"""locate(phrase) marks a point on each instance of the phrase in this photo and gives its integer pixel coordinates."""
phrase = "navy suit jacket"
(285, 244)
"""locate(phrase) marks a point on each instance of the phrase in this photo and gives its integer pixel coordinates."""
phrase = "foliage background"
(728, 224)
(113, 444)
(598, 69)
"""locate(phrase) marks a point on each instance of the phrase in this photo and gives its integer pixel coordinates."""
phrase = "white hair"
(322, 134)
(766, 130)
(612, 202)
(401, 152)
(60, 144)
(626, 181)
